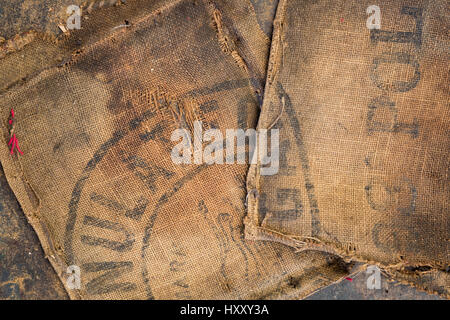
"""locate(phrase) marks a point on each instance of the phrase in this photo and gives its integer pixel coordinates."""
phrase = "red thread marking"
(341, 20)
(349, 279)
(13, 142)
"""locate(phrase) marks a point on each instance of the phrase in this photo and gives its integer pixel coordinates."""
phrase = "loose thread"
(13, 142)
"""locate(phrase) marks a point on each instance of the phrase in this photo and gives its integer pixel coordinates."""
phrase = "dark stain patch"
(342, 126)
(293, 282)
(367, 161)
(338, 265)
(418, 268)
(57, 146)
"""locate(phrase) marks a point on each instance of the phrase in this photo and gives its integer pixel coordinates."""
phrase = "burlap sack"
(96, 179)
(364, 135)
(24, 271)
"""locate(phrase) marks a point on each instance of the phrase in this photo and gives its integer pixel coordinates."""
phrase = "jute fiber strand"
(364, 135)
(96, 179)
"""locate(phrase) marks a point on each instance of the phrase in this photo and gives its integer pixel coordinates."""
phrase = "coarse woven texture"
(364, 136)
(96, 180)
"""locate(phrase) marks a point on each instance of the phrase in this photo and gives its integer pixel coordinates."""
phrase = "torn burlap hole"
(363, 118)
(95, 130)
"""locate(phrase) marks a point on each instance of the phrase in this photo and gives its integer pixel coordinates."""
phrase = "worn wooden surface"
(356, 289)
